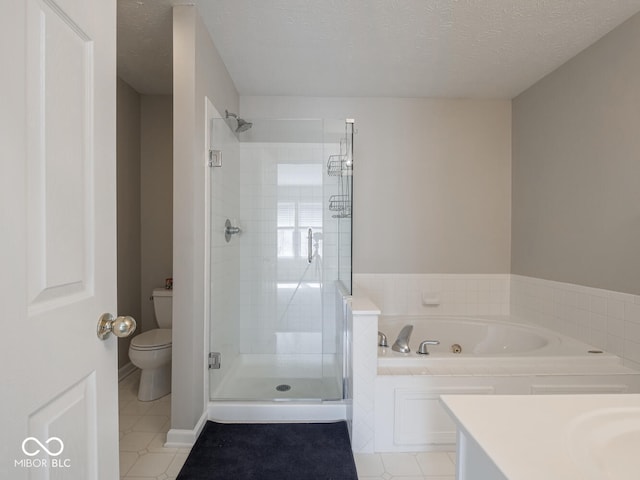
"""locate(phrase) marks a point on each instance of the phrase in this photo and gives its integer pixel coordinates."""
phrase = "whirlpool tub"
(477, 356)
(465, 337)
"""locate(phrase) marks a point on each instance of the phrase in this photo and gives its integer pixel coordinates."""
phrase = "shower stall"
(280, 213)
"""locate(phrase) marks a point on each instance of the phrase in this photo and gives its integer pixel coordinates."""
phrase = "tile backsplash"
(605, 319)
(436, 294)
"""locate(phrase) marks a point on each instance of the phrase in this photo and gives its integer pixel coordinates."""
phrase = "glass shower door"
(278, 326)
(299, 267)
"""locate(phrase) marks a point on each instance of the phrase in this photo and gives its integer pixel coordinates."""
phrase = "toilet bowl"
(151, 351)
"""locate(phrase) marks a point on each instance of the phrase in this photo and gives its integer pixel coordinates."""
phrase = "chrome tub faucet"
(382, 339)
(422, 350)
(402, 342)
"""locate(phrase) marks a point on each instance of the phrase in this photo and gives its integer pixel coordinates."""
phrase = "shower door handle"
(309, 246)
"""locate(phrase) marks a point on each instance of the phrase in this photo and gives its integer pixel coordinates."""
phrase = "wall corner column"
(365, 368)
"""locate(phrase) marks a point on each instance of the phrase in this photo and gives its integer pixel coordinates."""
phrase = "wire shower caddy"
(341, 165)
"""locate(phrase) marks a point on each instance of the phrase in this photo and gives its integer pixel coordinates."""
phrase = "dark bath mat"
(271, 451)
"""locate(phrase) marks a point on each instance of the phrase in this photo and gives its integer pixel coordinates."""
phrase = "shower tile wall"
(274, 317)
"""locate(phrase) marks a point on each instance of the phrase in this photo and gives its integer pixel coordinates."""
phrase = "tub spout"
(382, 339)
(402, 342)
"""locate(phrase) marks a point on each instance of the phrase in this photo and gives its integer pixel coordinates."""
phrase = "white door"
(58, 239)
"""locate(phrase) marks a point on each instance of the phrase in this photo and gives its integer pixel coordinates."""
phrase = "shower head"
(242, 125)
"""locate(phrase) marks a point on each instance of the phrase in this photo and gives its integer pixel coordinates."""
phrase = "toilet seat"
(156, 339)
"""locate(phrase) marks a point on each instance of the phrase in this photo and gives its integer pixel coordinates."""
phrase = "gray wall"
(156, 188)
(128, 199)
(576, 171)
(432, 179)
(198, 73)
(144, 185)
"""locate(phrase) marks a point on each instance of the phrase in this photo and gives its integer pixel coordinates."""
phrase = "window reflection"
(297, 210)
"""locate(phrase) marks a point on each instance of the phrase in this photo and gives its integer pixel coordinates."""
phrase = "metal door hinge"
(215, 158)
(214, 360)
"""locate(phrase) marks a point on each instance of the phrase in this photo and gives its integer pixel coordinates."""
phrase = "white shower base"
(249, 392)
(281, 377)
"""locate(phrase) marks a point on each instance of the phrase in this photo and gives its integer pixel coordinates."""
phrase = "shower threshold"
(274, 411)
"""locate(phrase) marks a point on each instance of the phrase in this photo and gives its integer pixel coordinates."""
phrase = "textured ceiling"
(409, 48)
(145, 43)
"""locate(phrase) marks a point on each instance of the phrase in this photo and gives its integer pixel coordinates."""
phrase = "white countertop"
(534, 437)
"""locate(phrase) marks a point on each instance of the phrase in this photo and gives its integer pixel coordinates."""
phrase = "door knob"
(120, 326)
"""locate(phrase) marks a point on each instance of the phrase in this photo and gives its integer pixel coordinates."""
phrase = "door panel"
(71, 416)
(60, 157)
(58, 244)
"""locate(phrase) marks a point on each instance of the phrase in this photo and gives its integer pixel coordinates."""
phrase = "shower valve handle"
(229, 230)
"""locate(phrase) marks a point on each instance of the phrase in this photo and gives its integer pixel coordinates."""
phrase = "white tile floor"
(144, 427)
(406, 466)
(143, 431)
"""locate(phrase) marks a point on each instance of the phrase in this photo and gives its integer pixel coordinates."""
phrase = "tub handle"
(382, 339)
(422, 349)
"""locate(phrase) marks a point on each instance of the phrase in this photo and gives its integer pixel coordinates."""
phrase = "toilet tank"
(162, 303)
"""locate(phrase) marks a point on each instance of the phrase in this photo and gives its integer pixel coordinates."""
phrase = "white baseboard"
(126, 370)
(183, 438)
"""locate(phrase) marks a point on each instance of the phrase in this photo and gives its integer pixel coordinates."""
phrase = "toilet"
(151, 351)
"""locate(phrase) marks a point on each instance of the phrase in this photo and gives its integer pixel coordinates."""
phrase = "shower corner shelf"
(340, 204)
(337, 166)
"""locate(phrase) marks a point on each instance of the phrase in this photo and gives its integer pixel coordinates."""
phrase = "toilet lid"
(152, 339)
